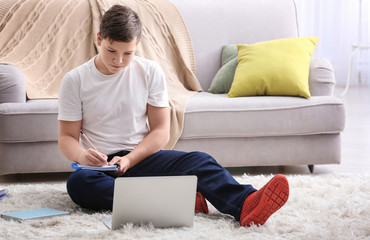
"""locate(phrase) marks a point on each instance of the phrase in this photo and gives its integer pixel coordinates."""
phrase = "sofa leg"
(311, 168)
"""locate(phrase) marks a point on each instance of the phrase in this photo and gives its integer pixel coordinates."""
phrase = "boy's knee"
(77, 178)
(91, 189)
(76, 184)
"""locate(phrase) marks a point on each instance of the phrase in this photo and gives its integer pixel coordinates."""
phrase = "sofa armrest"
(321, 77)
(12, 85)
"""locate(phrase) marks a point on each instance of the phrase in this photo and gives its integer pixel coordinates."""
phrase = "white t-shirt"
(112, 107)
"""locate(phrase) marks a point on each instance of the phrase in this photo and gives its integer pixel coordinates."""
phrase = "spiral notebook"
(103, 169)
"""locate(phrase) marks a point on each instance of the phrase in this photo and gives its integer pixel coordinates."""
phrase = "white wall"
(336, 24)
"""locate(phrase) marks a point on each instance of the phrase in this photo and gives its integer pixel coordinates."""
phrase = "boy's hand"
(123, 165)
(92, 157)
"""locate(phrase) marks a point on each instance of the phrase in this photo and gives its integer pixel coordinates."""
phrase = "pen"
(92, 145)
(88, 140)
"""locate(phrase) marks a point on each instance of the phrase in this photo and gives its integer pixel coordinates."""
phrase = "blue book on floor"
(32, 214)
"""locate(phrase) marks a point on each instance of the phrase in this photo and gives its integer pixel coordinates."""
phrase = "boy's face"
(114, 56)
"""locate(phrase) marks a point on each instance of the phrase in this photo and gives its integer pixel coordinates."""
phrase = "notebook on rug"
(33, 214)
(165, 201)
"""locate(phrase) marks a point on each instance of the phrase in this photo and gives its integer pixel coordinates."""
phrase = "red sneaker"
(260, 205)
(200, 204)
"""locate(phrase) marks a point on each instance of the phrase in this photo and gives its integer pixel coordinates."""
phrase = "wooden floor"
(355, 147)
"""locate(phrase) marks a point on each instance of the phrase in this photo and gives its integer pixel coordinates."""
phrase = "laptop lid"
(164, 201)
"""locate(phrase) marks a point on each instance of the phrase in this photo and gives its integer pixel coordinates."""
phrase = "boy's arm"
(68, 140)
(159, 123)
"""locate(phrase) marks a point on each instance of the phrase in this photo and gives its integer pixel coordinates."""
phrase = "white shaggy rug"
(319, 207)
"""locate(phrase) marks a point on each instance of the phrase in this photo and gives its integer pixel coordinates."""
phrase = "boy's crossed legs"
(214, 182)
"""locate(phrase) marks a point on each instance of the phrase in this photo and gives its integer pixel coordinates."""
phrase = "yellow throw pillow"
(278, 67)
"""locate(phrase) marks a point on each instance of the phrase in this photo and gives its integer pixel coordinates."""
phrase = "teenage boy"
(120, 102)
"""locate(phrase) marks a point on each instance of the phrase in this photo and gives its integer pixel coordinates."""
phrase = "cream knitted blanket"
(47, 38)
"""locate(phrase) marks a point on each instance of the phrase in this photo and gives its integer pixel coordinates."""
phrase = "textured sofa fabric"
(246, 131)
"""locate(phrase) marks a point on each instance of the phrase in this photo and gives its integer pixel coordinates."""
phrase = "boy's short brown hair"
(121, 24)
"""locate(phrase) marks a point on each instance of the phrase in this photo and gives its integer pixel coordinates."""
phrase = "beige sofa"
(257, 131)
(247, 131)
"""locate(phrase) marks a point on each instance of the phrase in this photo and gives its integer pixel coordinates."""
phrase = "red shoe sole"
(200, 204)
(260, 205)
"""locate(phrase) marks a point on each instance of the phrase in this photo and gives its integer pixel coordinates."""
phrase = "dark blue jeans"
(94, 190)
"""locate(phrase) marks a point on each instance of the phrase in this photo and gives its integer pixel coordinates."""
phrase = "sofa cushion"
(216, 116)
(277, 67)
(225, 75)
(34, 121)
(321, 76)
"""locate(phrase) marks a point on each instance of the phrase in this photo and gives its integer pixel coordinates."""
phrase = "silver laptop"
(167, 201)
